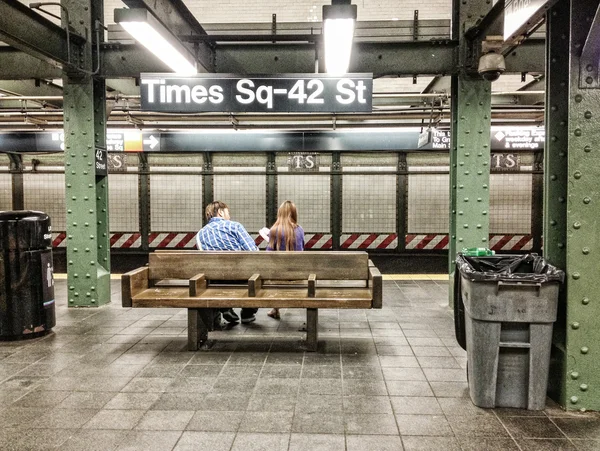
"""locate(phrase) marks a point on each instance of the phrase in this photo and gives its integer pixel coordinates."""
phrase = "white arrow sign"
(152, 142)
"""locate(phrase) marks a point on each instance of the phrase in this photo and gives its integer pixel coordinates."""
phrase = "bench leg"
(312, 319)
(197, 331)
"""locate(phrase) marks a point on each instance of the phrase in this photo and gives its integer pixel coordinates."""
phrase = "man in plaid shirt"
(222, 234)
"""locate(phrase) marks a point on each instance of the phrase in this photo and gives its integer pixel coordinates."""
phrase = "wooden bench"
(197, 280)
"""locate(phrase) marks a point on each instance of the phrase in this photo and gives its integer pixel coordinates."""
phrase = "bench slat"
(238, 297)
(270, 265)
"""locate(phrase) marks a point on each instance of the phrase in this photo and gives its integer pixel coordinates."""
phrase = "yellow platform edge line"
(384, 276)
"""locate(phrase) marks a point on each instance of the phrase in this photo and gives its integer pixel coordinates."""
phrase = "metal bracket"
(589, 63)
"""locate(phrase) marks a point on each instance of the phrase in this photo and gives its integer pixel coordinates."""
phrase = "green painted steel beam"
(30, 32)
(556, 176)
(470, 140)
(129, 60)
(88, 245)
(582, 377)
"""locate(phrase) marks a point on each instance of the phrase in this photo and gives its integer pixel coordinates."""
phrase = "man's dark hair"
(212, 209)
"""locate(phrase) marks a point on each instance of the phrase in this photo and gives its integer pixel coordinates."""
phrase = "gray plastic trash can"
(26, 275)
(510, 305)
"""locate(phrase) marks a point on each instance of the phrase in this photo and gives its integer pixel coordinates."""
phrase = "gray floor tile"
(358, 387)
(179, 401)
(488, 444)
(373, 443)
(266, 422)
(416, 443)
(410, 405)
(367, 404)
(546, 445)
(115, 419)
(321, 386)
(219, 401)
(64, 418)
(450, 390)
(133, 401)
(363, 372)
(582, 427)
(41, 399)
(260, 442)
(213, 441)
(409, 388)
(370, 423)
(586, 445)
(532, 427)
(318, 423)
(426, 425)
(216, 421)
(93, 440)
(477, 426)
(149, 441)
(321, 372)
(281, 371)
(319, 403)
(403, 374)
(317, 442)
(164, 420)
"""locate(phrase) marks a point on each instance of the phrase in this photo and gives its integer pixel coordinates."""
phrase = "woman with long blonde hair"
(285, 235)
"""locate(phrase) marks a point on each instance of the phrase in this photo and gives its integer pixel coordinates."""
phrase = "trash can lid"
(524, 268)
(23, 215)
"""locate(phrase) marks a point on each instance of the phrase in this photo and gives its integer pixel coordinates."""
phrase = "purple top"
(298, 245)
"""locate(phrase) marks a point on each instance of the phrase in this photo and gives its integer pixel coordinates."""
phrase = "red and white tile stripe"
(317, 241)
(172, 240)
(511, 242)
(369, 241)
(427, 242)
(126, 240)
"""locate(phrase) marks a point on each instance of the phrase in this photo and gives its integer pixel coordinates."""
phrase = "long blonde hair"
(285, 226)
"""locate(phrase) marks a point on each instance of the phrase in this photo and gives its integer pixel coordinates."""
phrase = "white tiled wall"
(5, 192)
(176, 203)
(246, 197)
(428, 203)
(123, 202)
(312, 196)
(46, 192)
(368, 203)
(510, 203)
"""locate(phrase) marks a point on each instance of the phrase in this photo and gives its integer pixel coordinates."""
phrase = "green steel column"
(556, 175)
(336, 200)
(582, 378)
(469, 166)
(144, 205)
(271, 186)
(88, 246)
(401, 202)
(470, 140)
(208, 191)
(16, 171)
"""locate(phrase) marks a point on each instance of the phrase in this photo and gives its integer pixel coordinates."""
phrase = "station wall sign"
(303, 162)
(306, 93)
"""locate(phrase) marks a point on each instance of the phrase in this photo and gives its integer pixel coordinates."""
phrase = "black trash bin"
(505, 307)
(26, 275)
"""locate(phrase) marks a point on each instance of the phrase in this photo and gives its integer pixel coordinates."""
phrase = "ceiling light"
(148, 31)
(338, 28)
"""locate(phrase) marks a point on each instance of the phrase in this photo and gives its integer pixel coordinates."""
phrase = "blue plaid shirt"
(224, 235)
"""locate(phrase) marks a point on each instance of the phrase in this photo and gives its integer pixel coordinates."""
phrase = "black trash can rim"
(498, 268)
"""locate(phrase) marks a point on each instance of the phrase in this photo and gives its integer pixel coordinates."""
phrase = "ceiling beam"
(29, 32)
(399, 58)
(439, 83)
(181, 22)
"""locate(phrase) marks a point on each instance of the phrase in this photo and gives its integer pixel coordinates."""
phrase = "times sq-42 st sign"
(305, 93)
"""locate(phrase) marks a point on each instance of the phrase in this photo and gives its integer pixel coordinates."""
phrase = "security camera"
(491, 66)
(491, 62)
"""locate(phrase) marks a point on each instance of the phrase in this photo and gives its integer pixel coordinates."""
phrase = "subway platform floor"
(121, 379)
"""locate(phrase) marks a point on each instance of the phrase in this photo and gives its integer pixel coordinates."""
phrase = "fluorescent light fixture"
(338, 28)
(148, 31)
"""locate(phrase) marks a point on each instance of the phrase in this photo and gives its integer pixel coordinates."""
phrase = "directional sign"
(151, 142)
(517, 14)
(101, 163)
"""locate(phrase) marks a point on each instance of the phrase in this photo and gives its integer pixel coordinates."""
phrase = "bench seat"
(204, 281)
(238, 297)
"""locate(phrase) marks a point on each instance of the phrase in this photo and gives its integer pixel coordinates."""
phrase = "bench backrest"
(329, 265)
